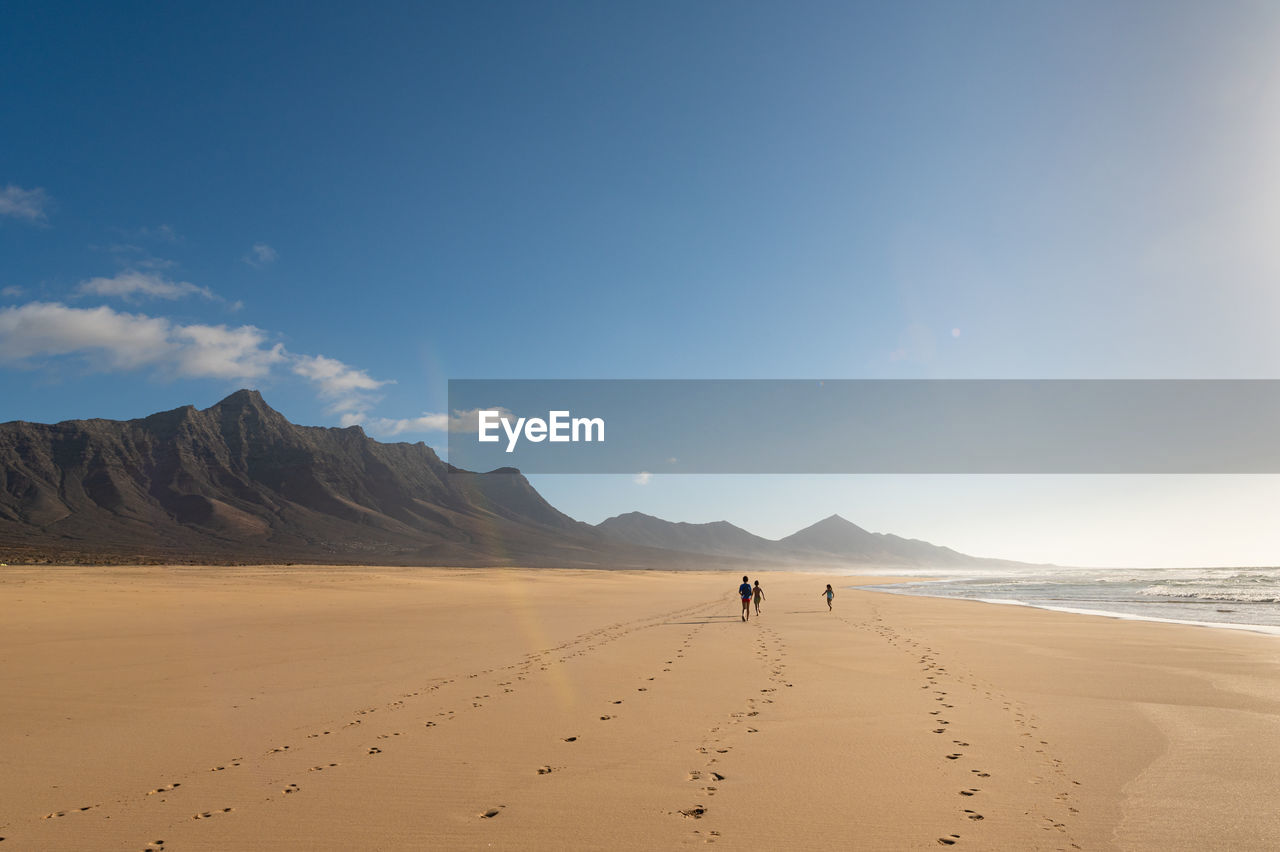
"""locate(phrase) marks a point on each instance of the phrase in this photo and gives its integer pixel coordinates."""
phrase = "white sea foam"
(1214, 593)
(1269, 629)
(1233, 598)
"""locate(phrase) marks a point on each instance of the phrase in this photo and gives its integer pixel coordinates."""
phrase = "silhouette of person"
(829, 593)
(759, 595)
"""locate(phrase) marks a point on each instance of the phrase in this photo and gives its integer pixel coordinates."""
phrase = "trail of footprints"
(935, 676)
(513, 674)
(768, 648)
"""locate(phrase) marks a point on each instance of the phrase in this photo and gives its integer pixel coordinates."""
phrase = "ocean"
(1235, 598)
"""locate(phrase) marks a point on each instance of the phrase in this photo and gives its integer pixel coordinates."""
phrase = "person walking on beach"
(758, 594)
(829, 593)
(744, 592)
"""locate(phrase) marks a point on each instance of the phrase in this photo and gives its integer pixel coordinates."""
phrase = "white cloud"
(642, 478)
(260, 255)
(116, 341)
(106, 340)
(333, 376)
(348, 389)
(216, 351)
(132, 283)
(459, 421)
(113, 340)
(29, 204)
(13, 292)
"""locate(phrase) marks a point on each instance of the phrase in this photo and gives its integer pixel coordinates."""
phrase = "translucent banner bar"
(866, 426)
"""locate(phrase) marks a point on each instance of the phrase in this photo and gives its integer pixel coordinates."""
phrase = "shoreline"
(332, 707)
(1264, 629)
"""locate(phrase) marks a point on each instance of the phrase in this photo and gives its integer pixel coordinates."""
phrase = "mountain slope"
(834, 536)
(720, 537)
(239, 481)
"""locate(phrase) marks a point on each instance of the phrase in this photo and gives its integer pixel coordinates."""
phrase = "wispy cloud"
(642, 478)
(260, 255)
(348, 389)
(13, 292)
(458, 421)
(30, 204)
(134, 256)
(154, 233)
(131, 284)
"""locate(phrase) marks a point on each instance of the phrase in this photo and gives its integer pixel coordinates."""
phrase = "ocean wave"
(1209, 593)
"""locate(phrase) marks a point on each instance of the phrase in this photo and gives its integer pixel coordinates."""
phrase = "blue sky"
(346, 208)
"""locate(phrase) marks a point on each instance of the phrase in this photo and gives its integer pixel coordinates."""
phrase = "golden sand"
(378, 708)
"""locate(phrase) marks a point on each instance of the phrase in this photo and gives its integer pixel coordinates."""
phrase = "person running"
(744, 592)
(829, 593)
(758, 594)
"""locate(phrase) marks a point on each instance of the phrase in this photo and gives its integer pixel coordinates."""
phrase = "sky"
(347, 208)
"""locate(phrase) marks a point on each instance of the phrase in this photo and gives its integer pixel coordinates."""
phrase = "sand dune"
(339, 708)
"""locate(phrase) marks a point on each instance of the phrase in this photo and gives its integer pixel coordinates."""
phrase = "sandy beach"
(338, 708)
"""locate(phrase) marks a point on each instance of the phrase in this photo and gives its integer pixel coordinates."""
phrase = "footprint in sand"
(165, 789)
(970, 791)
(974, 815)
(544, 770)
(492, 812)
(949, 840)
(292, 788)
(375, 750)
(208, 814)
(605, 718)
(954, 756)
(571, 739)
(694, 812)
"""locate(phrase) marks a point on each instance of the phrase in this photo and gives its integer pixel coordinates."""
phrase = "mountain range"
(237, 482)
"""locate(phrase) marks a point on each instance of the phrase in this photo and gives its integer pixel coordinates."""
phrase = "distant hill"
(835, 536)
(831, 541)
(720, 537)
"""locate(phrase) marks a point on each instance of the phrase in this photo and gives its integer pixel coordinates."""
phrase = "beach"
(311, 707)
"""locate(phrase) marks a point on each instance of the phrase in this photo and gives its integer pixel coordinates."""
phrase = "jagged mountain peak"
(238, 481)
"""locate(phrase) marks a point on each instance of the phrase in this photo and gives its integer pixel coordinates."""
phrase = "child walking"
(744, 592)
(829, 593)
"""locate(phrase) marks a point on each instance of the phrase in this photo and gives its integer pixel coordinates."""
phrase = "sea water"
(1239, 598)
